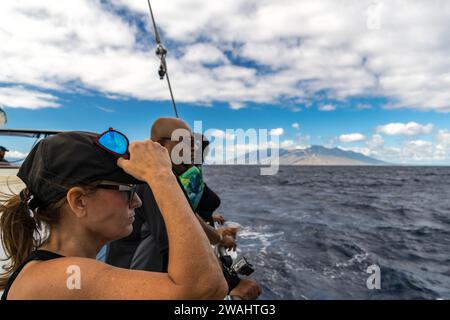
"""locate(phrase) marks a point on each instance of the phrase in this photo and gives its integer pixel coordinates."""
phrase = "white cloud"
(406, 129)
(237, 105)
(220, 134)
(374, 146)
(296, 126)
(352, 137)
(417, 150)
(104, 109)
(442, 150)
(287, 144)
(19, 97)
(303, 138)
(375, 142)
(443, 137)
(204, 54)
(13, 154)
(307, 50)
(327, 107)
(434, 151)
(277, 132)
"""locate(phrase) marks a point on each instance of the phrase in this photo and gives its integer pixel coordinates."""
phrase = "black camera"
(242, 266)
(232, 269)
(239, 266)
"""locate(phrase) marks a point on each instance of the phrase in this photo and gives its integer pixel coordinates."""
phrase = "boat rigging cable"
(161, 52)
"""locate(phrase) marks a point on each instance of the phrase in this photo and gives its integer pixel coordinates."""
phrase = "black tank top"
(35, 255)
(209, 202)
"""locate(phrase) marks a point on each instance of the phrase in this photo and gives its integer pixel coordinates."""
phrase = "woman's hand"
(148, 161)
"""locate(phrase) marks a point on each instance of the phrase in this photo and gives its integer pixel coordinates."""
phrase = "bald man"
(162, 131)
(147, 248)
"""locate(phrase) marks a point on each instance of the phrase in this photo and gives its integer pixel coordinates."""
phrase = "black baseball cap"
(65, 160)
(2, 148)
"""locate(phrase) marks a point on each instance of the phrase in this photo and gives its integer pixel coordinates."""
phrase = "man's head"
(2, 152)
(163, 130)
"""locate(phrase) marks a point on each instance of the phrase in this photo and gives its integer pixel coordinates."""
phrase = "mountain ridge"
(314, 155)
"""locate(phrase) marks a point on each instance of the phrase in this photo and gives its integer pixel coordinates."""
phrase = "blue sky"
(368, 76)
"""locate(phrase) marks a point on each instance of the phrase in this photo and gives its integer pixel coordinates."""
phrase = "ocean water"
(312, 232)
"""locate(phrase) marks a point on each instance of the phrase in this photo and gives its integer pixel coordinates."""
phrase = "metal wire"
(161, 53)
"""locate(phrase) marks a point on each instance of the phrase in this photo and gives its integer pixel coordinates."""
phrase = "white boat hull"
(9, 182)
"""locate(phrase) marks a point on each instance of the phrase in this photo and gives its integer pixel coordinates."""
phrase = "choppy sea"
(312, 232)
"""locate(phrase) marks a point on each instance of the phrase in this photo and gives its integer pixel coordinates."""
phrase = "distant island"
(316, 156)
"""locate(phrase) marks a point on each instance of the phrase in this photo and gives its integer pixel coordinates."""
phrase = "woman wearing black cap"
(79, 197)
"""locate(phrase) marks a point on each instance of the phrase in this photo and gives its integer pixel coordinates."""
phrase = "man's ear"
(76, 198)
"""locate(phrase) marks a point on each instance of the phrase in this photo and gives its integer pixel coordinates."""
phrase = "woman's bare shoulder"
(84, 278)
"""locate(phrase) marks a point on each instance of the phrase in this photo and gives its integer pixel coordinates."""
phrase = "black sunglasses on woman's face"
(129, 188)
